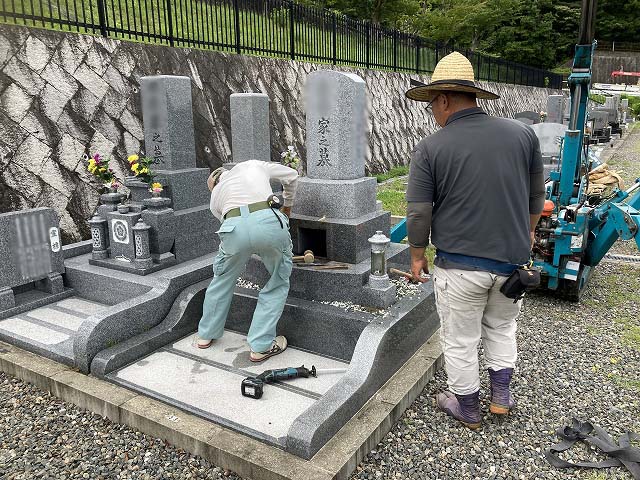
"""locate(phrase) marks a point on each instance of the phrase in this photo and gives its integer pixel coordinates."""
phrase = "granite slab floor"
(50, 328)
(206, 382)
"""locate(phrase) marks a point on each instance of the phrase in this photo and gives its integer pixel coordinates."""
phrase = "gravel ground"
(576, 360)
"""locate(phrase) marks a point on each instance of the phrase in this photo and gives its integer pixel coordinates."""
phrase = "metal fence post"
(395, 54)
(292, 37)
(102, 16)
(334, 38)
(236, 11)
(368, 46)
(417, 54)
(169, 21)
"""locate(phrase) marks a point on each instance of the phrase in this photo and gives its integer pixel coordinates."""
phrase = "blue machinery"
(573, 236)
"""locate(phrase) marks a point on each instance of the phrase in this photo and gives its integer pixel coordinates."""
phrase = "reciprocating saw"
(253, 387)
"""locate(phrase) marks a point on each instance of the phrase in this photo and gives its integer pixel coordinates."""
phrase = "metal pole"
(368, 46)
(395, 58)
(236, 11)
(102, 16)
(417, 54)
(169, 21)
(335, 37)
(292, 32)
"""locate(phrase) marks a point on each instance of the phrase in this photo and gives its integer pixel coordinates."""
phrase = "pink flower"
(97, 158)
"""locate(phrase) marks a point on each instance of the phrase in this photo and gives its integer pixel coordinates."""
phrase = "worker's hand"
(417, 268)
(286, 211)
(210, 184)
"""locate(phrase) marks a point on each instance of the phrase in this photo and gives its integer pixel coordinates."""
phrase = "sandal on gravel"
(279, 345)
(464, 408)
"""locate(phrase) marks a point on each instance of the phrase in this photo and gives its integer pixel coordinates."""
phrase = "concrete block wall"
(63, 93)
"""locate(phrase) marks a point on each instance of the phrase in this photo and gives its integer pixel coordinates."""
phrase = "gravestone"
(528, 117)
(549, 135)
(250, 138)
(555, 109)
(335, 207)
(336, 129)
(181, 224)
(168, 121)
(32, 259)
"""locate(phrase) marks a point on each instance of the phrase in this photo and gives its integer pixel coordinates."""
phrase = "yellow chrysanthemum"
(144, 170)
(156, 185)
(133, 158)
(135, 167)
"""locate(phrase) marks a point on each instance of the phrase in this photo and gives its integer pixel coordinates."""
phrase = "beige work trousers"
(471, 308)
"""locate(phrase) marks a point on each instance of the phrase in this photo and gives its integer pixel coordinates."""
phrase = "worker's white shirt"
(248, 182)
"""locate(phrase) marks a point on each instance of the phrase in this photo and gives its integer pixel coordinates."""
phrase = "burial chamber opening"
(312, 239)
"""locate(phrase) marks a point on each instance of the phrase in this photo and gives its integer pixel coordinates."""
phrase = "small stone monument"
(250, 137)
(528, 117)
(32, 260)
(555, 109)
(178, 226)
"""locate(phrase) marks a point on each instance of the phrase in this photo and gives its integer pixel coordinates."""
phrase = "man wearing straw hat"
(476, 186)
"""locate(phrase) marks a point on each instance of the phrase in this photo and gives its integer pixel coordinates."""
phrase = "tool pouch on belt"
(522, 279)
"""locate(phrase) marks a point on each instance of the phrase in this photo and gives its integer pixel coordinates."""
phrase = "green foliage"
(394, 172)
(393, 198)
(533, 32)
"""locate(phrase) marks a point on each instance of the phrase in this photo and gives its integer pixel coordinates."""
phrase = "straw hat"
(453, 73)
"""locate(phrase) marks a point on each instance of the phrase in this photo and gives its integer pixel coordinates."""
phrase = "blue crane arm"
(399, 231)
(618, 218)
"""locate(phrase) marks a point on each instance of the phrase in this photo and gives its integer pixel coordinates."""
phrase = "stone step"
(206, 382)
(50, 330)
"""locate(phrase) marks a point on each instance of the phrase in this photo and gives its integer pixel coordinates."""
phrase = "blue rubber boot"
(465, 408)
(501, 399)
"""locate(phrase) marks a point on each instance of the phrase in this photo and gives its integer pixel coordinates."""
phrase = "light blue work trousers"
(251, 233)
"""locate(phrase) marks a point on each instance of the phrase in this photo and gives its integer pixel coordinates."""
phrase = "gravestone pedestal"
(32, 261)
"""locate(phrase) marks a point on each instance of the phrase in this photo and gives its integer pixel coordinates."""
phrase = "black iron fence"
(279, 28)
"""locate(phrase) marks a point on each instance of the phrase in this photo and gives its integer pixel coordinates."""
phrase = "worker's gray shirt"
(476, 171)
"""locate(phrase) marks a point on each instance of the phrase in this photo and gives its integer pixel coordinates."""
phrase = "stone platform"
(50, 330)
(207, 383)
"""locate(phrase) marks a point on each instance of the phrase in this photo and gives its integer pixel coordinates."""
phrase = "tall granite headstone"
(168, 121)
(335, 207)
(31, 253)
(555, 108)
(336, 128)
(250, 138)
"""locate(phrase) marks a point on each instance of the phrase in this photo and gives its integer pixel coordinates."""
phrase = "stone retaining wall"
(64, 93)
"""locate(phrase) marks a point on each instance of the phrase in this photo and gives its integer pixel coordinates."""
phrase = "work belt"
(253, 207)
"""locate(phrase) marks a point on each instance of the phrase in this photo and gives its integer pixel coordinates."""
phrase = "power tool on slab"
(253, 387)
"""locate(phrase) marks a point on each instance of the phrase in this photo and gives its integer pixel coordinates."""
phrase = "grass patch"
(631, 333)
(394, 172)
(393, 198)
(624, 382)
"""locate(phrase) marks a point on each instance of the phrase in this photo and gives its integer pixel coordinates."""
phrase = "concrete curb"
(225, 448)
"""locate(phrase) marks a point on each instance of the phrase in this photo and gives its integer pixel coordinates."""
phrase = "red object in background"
(620, 73)
(548, 208)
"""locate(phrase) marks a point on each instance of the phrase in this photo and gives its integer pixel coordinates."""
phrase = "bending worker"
(476, 187)
(240, 198)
